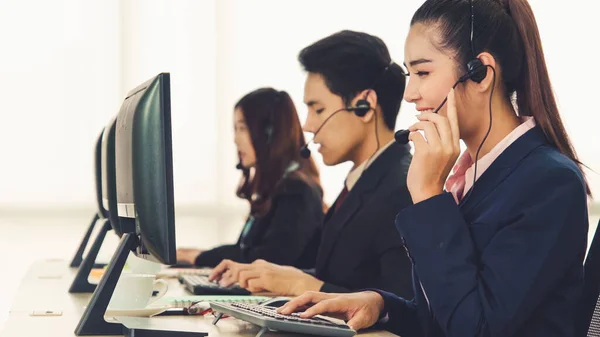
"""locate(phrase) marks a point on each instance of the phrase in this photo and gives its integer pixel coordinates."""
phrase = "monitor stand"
(78, 258)
(92, 321)
(80, 282)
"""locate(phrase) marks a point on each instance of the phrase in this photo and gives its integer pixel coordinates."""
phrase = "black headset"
(360, 109)
(269, 128)
(476, 72)
(362, 105)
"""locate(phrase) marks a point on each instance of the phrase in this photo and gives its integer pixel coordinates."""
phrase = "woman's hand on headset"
(433, 158)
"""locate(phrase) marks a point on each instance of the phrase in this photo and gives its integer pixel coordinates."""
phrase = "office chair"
(588, 317)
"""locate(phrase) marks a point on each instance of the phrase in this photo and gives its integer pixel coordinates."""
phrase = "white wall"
(66, 66)
(59, 82)
(179, 37)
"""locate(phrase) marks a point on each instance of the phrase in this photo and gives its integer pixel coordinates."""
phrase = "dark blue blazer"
(508, 260)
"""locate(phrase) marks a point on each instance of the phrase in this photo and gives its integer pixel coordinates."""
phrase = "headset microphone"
(304, 150)
(401, 136)
(239, 166)
(474, 73)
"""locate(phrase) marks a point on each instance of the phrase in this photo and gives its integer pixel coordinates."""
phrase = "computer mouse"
(275, 302)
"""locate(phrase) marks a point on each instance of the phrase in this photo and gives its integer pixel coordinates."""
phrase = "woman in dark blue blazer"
(498, 251)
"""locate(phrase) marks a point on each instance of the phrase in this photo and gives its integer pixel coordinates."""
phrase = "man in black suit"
(353, 93)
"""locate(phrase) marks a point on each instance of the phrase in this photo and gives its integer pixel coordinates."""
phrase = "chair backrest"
(588, 317)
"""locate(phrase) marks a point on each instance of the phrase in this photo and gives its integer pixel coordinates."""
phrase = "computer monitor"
(107, 209)
(98, 160)
(144, 169)
(144, 177)
(101, 211)
(108, 174)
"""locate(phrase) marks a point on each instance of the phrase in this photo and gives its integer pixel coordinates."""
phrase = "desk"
(45, 287)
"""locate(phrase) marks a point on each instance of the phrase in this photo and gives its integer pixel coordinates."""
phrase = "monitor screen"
(144, 169)
(109, 184)
(102, 209)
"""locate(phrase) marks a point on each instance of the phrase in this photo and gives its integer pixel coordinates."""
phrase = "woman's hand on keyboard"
(361, 310)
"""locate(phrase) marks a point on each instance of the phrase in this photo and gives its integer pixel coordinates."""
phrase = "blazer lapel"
(335, 221)
(502, 167)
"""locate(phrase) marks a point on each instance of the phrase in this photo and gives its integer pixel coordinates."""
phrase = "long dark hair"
(507, 29)
(277, 137)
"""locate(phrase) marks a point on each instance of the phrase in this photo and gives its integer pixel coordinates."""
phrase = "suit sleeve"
(211, 258)
(395, 267)
(333, 288)
(297, 214)
(492, 292)
(399, 315)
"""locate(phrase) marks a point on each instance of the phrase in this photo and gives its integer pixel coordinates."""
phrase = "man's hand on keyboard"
(261, 276)
(362, 310)
(227, 272)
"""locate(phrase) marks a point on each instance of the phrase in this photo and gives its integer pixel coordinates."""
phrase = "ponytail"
(535, 96)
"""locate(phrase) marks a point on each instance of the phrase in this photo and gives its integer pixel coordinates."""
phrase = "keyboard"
(268, 318)
(200, 285)
(176, 272)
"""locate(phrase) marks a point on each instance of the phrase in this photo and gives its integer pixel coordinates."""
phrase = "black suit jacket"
(359, 245)
(281, 236)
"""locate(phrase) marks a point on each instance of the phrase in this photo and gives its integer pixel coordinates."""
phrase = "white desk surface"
(45, 287)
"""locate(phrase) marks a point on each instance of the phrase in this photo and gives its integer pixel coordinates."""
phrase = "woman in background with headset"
(502, 256)
(283, 189)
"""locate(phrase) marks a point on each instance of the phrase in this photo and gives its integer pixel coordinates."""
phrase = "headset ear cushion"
(362, 107)
(269, 132)
(477, 71)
